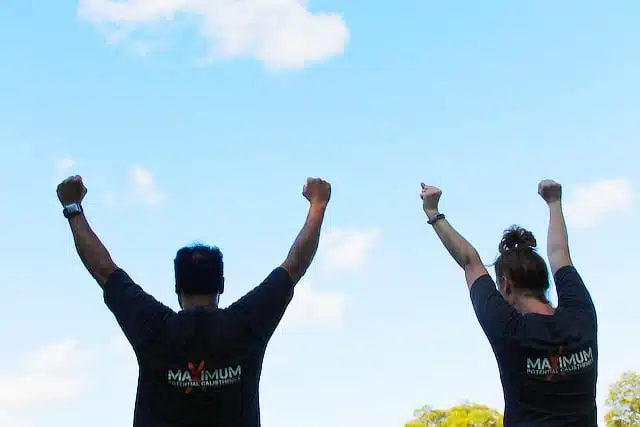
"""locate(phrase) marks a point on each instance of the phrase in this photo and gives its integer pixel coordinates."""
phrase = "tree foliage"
(624, 402)
(465, 415)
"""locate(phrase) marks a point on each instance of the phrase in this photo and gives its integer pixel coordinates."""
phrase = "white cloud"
(593, 202)
(314, 308)
(283, 34)
(144, 188)
(120, 345)
(339, 249)
(63, 166)
(345, 248)
(55, 374)
(110, 199)
(9, 420)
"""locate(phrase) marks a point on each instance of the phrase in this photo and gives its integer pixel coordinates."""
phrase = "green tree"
(624, 402)
(464, 415)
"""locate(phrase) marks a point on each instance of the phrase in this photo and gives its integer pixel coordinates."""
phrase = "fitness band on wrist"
(436, 219)
(71, 210)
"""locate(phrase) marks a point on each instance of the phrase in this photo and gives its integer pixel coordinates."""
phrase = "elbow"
(559, 258)
(471, 260)
(103, 271)
(560, 252)
(295, 269)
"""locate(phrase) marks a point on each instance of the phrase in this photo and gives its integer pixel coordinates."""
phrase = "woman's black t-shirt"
(548, 364)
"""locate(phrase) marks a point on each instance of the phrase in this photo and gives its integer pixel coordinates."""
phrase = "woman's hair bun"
(516, 237)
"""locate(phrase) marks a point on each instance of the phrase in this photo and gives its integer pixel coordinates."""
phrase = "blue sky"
(205, 126)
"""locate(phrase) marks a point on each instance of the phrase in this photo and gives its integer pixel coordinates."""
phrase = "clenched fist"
(71, 190)
(317, 191)
(430, 196)
(550, 191)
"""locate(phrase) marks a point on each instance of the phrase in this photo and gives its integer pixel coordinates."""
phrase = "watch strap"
(71, 210)
(436, 219)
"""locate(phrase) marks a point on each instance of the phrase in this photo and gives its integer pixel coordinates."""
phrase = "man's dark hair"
(520, 262)
(199, 270)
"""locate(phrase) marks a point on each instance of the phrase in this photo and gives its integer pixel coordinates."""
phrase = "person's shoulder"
(279, 280)
(566, 272)
(482, 286)
(280, 274)
(118, 277)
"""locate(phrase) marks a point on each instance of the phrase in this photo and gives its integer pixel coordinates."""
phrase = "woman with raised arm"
(547, 356)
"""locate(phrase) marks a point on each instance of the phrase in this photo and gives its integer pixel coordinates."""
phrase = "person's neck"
(195, 301)
(534, 305)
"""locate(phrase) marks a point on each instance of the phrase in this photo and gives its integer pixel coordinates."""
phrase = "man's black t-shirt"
(548, 364)
(198, 367)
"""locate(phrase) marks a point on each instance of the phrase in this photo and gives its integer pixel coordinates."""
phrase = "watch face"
(72, 209)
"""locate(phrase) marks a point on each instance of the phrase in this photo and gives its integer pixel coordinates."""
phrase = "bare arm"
(305, 246)
(92, 252)
(572, 292)
(498, 319)
(557, 239)
(460, 249)
(262, 308)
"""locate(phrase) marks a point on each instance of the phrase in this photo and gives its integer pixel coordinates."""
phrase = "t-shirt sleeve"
(572, 292)
(261, 310)
(497, 317)
(139, 315)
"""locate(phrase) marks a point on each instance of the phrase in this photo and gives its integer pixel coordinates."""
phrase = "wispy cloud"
(347, 248)
(62, 168)
(144, 187)
(10, 420)
(282, 34)
(55, 374)
(141, 189)
(591, 203)
(311, 307)
(339, 249)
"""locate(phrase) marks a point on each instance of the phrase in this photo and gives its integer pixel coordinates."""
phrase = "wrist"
(71, 210)
(77, 218)
(554, 204)
(432, 213)
(318, 206)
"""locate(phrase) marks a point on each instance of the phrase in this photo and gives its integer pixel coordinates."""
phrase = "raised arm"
(572, 292)
(140, 316)
(460, 249)
(557, 239)
(92, 252)
(498, 319)
(262, 308)
(304, 248)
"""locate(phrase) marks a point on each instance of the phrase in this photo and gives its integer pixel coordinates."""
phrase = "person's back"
(547, 356)
(202, 370)
(200, 366)
(549, 368)
(203, 366)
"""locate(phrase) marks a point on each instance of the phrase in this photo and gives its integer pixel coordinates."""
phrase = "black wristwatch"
(436, 219)
(71, 210)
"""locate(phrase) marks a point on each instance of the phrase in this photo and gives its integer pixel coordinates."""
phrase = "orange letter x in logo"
(554, 361)
(196, 373)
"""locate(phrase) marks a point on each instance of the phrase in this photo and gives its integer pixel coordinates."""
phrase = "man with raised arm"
(547, 356)
(200, 366)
